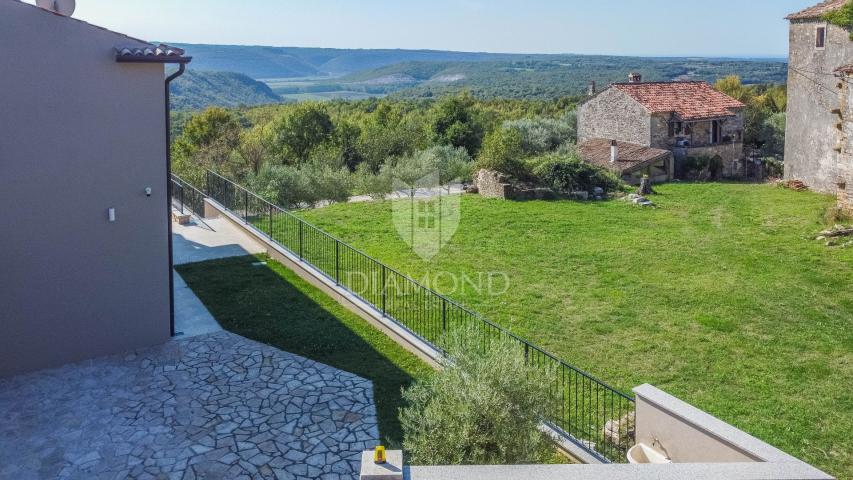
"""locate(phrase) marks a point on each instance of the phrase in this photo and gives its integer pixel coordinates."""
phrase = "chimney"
(592, 89)
(635, 77)
(614, 151)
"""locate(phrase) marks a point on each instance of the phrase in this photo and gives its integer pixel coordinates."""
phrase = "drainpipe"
(181, 69)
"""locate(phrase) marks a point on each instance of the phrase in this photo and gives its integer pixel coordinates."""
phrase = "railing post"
(337, 262)
(246, 198)
(207, 182)
(383, 289)
(182, 199)
(444, 315)
(270, 221)
(300, 239)
(526, 353)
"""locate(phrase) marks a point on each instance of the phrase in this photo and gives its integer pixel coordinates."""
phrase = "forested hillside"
(311, 152)
(323, 74)
(535, 78)
(290, 62)
(196, 90)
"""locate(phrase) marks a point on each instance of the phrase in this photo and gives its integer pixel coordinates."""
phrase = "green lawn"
(270, 304)
(718, 297)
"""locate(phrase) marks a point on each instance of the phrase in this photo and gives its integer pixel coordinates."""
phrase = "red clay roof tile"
(688, 100)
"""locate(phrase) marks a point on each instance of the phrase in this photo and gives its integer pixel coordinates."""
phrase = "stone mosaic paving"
(213, 406)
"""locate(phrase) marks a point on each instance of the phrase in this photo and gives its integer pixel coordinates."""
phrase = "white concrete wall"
(80, 134)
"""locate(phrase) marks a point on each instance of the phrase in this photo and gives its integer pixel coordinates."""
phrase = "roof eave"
(706, 118)
(152, 59)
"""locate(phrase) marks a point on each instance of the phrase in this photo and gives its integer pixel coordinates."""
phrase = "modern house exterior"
(85, 249)
(820, 119)
(688, 119)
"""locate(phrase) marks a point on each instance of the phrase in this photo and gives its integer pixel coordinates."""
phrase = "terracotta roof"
(631, 155)
(818, 10)
(150, 53)
(688, 100)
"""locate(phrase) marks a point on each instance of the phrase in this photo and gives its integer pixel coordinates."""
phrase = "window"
(715, 131)
(675, 128)
(820, 37)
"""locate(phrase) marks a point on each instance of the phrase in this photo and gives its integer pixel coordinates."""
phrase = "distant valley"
(293, 74)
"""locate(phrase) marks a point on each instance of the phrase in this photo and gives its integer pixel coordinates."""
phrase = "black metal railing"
(589, 412)
(185, 197)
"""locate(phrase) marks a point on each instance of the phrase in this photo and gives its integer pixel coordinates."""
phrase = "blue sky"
(622, 27)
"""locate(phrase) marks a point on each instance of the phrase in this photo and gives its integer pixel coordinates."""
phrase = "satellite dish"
(62, 7)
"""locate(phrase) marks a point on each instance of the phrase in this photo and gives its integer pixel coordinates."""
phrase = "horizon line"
(763, 56)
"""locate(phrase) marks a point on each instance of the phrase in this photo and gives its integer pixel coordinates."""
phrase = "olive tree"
(484, 407)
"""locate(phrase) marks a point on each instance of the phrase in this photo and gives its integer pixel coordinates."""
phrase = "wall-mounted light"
(147, 191)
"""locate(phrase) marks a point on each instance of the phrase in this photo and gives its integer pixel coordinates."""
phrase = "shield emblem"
(425, 215)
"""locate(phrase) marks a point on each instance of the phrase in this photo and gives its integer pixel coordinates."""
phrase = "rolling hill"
(199, 89)
(540, 77)
(291, 62)
(325, 73)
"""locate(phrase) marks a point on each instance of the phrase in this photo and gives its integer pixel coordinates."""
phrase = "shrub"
(503, 152)
(293, 186)
(542, 135)
(451, 164)
(565, 172)
(377, 185)
(701, 168)
(327, 183)
(843, 17)
(280, 184)
(773, 167)
(837, 214)
(483, 408)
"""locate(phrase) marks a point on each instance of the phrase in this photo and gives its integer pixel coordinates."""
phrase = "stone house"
(628, 160)
(820, 115)
(688, 119)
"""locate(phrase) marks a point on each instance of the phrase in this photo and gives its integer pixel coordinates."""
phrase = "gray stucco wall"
(614, 115)
(80, 134)
(811, 134)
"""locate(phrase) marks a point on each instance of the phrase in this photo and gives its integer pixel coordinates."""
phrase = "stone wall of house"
(730, 148)
(844, 167)
(730, 153)
(812, 133)
(614, 115)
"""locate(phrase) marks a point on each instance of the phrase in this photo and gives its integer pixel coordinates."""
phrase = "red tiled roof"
(818, 10)
(597, 152)
(688, 100)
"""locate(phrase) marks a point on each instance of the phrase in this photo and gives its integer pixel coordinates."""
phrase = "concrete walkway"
(197, 242)
(215, 238)
(214, 406)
